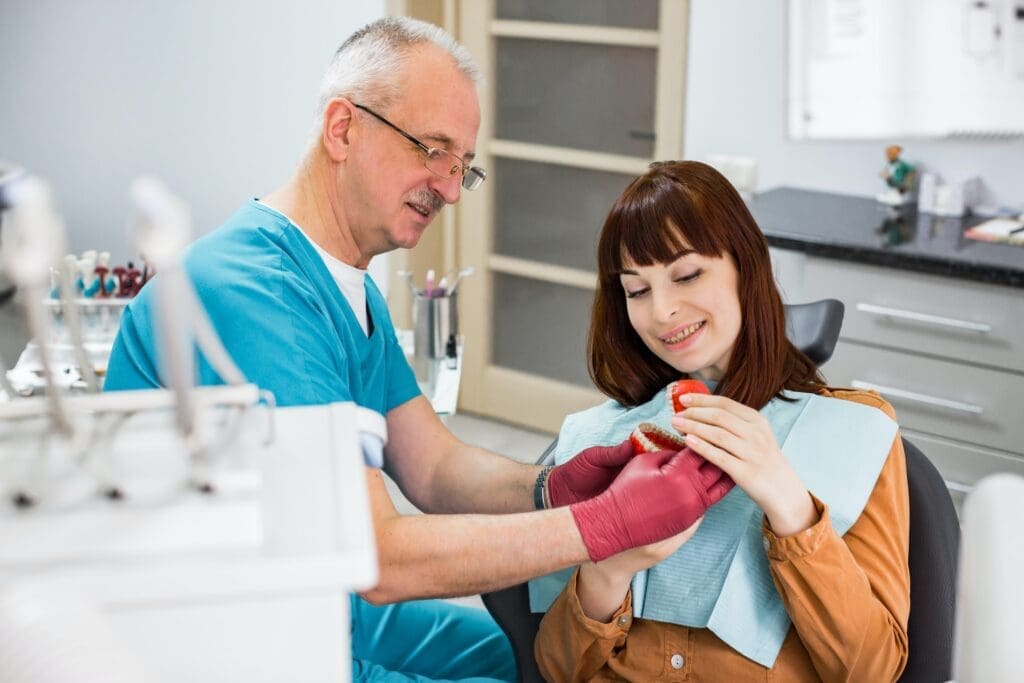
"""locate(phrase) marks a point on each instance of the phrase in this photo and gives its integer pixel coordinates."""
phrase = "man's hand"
(656, 496)
(624, 565)
(588, 474)
(601, 586)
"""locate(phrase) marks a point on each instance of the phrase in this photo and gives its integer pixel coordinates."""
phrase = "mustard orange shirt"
(848, 598)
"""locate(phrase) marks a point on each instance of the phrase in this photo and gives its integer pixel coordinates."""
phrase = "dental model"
(88, 282)
(649, 437)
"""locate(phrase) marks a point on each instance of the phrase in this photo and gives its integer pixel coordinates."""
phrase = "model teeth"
(685, 333)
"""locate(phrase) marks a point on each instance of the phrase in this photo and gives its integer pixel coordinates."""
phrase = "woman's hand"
(739, 440)
(602, 586)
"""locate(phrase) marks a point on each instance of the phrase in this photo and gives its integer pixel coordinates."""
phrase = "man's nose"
(449, 188)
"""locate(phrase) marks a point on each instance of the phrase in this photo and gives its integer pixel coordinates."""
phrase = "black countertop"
(862, 230)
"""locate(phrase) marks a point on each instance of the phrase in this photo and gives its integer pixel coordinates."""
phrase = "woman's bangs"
(658, 229)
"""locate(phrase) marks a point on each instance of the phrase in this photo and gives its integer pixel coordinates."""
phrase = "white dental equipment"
(244, 579)
(989, 607)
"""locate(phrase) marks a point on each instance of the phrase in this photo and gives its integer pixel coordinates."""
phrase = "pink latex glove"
(657, 495)
(588, 474)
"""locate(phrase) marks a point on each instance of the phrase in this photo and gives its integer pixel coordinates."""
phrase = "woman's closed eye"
(633, 294)
(691, 277)
(683, 279)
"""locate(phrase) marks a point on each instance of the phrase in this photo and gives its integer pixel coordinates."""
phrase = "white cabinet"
(947, 353)
(249, 582)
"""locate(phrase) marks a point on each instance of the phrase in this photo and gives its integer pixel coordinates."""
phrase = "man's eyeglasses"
(441, 163)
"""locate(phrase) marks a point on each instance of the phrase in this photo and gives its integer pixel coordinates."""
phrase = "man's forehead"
(440, 102)
(452, 127)
(440, 139)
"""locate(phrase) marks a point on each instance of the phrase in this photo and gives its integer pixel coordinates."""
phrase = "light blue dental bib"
(720, 579)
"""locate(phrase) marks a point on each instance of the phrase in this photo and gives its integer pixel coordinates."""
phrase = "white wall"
(216, 98)
(735, 104)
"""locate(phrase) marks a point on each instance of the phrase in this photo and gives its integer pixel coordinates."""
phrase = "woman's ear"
(336, 128)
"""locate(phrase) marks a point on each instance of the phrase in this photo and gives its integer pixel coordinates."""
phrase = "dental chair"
(934, 537)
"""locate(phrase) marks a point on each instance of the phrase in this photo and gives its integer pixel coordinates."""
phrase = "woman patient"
(800, 573)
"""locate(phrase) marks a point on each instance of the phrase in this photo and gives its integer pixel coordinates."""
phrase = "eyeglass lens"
(474, 177)
(445, 164)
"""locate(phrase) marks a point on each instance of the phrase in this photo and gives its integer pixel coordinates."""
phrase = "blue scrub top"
(281, 317)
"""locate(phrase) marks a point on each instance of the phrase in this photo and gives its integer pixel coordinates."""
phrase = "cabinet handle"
(919, 398)
(957, 486)
(928, 318)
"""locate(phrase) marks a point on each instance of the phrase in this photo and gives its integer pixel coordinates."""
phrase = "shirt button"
(677, 661)
(766, 543)
(623, 620)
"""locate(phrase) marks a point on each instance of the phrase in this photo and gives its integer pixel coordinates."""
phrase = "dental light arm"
(163, 232)
(73, 320)
(8, 175)
(33, 245)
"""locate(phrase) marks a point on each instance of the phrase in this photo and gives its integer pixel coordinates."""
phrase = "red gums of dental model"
(649, 437)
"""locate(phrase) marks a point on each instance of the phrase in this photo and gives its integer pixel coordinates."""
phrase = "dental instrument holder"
(435, 322)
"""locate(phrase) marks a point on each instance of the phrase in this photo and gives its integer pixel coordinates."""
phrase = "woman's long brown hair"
(689, 204)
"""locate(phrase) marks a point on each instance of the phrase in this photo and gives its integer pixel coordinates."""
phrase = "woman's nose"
(665, 307)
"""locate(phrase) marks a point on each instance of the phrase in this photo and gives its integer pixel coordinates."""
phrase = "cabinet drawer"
(962, 465)
(958, 401)
(941, 316)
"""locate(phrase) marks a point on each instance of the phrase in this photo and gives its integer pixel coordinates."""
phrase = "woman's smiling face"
(686, 311)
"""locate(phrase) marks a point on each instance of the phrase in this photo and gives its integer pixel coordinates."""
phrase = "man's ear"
(337, 127)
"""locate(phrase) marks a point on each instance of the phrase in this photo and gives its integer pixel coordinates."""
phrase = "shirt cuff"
(801, 544)
(616, 627)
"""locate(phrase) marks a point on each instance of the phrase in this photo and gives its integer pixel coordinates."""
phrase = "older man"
(285, 284)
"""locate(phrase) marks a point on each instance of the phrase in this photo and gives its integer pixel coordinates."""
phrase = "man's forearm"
(441, 474)
(431, 556)
(474, 480)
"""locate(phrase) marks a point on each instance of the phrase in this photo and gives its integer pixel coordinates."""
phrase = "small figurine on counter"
(88, 279)
(108, 283)
(132, 282)
(119, 272)
(899, 176)
(92, 277)
(72, 272)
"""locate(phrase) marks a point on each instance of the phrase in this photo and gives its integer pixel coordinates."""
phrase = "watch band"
(540, 501)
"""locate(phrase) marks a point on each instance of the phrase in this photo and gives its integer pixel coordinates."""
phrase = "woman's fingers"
(712, 416)
(741, 411)
(712, 433)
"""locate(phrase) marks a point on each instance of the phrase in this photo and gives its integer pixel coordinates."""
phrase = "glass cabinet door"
(590, 97)
(551, 214)
(581, 97)
(617, 13)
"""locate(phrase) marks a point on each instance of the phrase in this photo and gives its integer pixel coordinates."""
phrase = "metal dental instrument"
(407, 274)
(468, 270)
